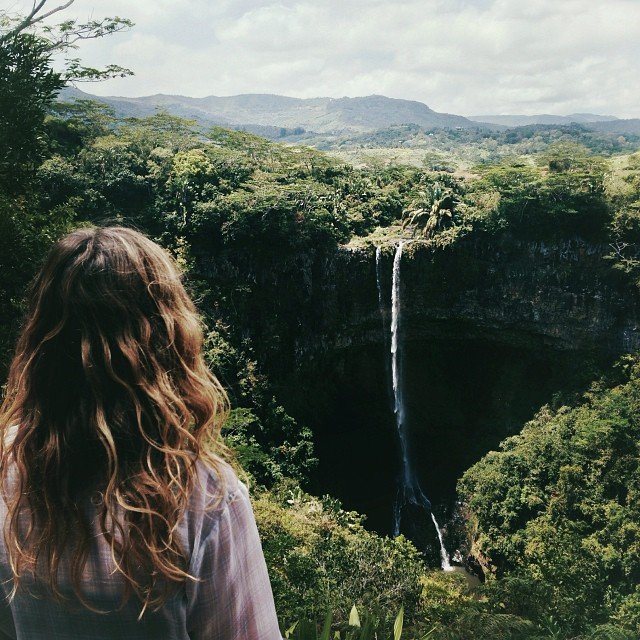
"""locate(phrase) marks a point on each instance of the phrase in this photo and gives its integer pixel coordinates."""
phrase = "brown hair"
(108, 391)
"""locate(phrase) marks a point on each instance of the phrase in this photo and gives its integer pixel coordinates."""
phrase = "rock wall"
(561, 296)
(490, 333)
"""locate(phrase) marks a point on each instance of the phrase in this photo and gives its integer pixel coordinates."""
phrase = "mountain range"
(268, 114)
(542, 118)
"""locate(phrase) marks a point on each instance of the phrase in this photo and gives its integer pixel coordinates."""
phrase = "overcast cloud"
(460, 56)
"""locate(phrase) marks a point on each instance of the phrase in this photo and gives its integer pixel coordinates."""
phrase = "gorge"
(490, 332)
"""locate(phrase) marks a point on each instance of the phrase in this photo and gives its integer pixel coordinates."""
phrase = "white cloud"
(461, 56)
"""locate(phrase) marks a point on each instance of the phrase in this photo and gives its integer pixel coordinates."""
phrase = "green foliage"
(63, 38)
(484, 625)
(321, 558)
(441, 149)
(354, 630)
(563, 199)
(74, 125)
(553, 516)
(625, 225)
(627, 614)
(470, 617)
(272, 448)
(436, 208)
(434, 161)
(161, 173)
(28, 233)
(558, 508)
(39, 194)
(28, 85)
(269, 443)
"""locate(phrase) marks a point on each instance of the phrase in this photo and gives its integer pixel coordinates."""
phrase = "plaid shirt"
(232, 600)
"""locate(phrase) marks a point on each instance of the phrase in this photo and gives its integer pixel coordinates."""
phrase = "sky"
(469, 57)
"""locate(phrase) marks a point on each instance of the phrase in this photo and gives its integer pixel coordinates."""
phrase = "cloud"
(461, 56)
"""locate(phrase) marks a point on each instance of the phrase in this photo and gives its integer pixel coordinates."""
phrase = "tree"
(71, 126)
(33, 17)
(435, 209)
(557, 509)
(64, 36)
(28, 86)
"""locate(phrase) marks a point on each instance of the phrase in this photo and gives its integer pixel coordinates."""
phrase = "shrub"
(321, 558)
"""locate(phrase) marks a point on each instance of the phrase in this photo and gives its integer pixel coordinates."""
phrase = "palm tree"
(435, 209)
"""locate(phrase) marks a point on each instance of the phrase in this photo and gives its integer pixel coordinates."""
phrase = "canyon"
(491, 331)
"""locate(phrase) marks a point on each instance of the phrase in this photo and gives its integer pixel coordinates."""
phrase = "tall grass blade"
(397, 625)
(291, 629)
(326, 629)
(306, 631)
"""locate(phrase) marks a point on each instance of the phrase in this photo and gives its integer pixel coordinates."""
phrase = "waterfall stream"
(380, 294)
(445, 561)
(409, 490)
(383, 318)
(398, 397)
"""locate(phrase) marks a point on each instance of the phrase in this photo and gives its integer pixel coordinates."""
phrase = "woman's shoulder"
(217, 484)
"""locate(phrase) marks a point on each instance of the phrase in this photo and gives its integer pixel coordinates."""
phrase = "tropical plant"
(435, 209)
(359, 627)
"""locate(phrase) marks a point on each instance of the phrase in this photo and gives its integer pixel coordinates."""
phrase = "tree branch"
(62, 7)
(32, 18)
(65, 35)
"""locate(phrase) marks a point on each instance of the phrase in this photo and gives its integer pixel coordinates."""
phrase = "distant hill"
(320, 115)
(622, 127)
(297, 119)
(543, 118)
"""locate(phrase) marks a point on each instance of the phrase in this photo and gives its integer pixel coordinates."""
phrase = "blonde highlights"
(108, 392)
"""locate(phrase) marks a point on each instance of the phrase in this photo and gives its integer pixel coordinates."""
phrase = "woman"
(121, 518)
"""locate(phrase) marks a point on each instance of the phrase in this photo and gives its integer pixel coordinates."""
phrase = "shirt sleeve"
(232, 599)
(7, 628)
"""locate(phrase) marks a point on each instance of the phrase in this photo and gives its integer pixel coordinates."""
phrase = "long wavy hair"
(108, 394)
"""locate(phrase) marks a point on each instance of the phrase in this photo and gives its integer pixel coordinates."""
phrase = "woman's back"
(232, 598)
(120, 517)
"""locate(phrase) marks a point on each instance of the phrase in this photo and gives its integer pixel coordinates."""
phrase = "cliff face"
(489, 333)
(562, 297)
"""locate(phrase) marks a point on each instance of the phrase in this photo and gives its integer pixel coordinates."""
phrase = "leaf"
(326, 629)
(367, 632)
(306, 631)
(354, 618)
(397, 625)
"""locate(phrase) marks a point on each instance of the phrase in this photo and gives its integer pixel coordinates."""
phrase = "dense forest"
(548, 522)
(445, 149)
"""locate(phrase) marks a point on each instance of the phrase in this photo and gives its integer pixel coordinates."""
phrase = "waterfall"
(379, 286)
(445, 561)
(385, 330)
(409, 490)
(398, 396)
